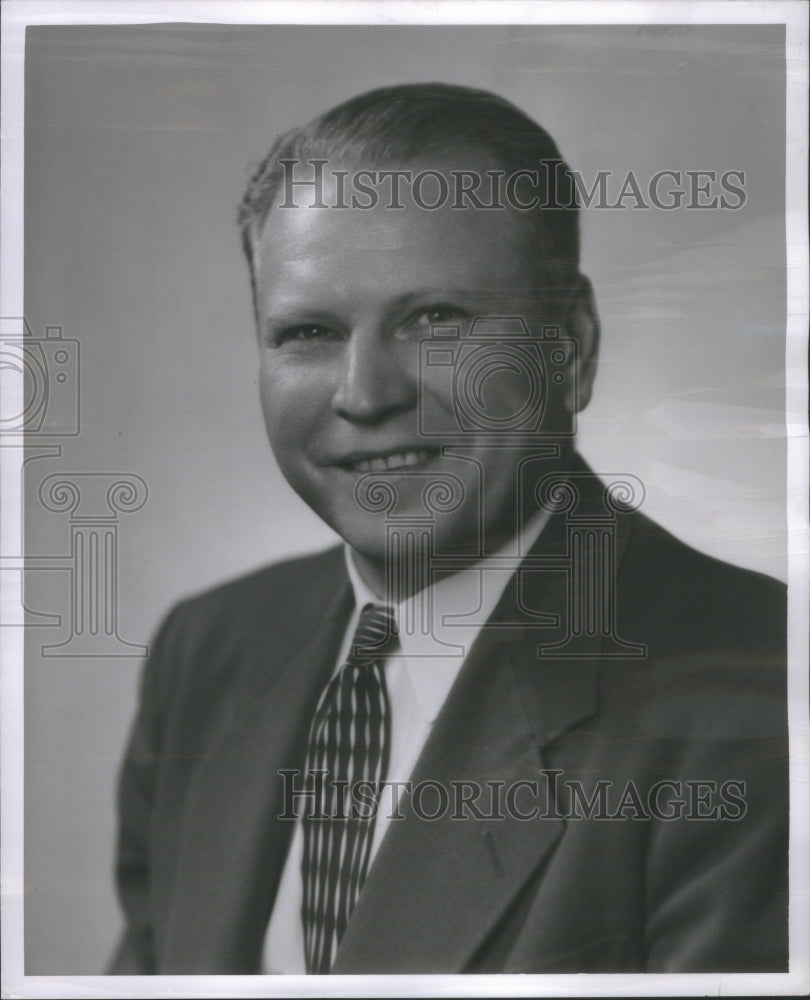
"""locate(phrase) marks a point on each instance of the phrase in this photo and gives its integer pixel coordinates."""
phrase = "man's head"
(397, 126)
(393, 215)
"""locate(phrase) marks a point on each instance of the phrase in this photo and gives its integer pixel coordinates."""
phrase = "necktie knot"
(375, 633)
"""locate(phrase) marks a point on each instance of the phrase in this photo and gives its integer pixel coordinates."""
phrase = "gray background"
(139, 141)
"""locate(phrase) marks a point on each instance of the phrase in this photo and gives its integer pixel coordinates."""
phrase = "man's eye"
(440, 314)
(304, 332)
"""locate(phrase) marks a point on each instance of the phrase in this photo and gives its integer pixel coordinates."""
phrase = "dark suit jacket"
(228, 693)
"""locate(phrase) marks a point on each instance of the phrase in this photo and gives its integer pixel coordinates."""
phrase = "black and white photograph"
(404, 447)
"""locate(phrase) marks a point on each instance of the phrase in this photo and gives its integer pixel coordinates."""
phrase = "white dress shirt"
(419, 675)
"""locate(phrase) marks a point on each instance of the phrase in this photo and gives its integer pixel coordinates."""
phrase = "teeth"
(399, 460)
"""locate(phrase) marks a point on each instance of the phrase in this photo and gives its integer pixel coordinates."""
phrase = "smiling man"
(511, 725)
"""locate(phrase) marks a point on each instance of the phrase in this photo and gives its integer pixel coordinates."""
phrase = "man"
(514, 726)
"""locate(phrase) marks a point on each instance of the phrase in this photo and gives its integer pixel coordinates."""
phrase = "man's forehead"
(403, 254)
(339, 217)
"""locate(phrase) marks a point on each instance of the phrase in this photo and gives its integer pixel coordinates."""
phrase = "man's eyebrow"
(291, 313)
(435, 294)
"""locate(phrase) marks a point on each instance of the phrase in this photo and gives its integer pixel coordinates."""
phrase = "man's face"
(344, 297)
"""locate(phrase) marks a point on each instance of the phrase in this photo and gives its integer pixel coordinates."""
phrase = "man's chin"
(403, 546)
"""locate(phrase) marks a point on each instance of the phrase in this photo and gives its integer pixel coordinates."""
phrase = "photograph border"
(16, 15)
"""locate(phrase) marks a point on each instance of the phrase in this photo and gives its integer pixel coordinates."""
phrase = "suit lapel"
(234, 845)
(438, 887)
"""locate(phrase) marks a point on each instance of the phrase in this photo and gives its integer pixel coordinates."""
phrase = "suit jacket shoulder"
(685, 591)
(712, 628)
(203, 640)
(273, 590)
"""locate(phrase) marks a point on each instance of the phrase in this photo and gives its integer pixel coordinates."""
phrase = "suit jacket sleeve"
(138, 778)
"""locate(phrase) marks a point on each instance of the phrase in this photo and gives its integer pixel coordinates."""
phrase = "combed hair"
(400, 124)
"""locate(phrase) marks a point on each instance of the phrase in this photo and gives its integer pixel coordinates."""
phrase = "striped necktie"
(349, 741)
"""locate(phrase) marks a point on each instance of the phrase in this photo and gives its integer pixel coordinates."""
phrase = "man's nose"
(375, 380)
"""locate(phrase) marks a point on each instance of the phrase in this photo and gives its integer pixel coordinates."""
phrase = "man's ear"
(582, 325)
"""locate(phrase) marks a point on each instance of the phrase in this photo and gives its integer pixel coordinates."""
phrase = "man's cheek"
(436, 403)
(508, 396)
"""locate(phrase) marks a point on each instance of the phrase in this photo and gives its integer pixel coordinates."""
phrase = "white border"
(16, 14)
(12, 49)
(406, 12)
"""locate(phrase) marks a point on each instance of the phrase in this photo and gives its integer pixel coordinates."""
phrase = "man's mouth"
(391, 462)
